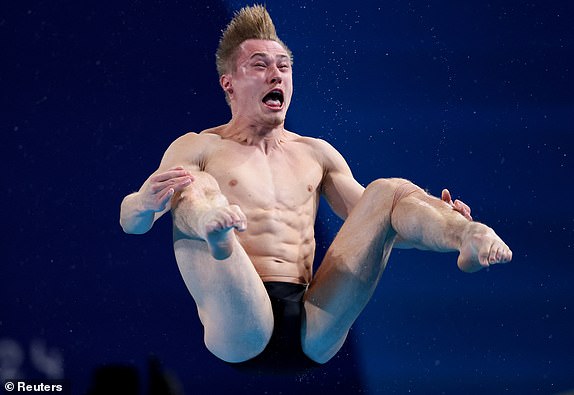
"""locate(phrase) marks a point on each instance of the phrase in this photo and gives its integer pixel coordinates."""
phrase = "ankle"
(474, 230)
(469, 230)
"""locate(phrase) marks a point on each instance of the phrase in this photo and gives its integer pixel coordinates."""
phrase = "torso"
(279, 193)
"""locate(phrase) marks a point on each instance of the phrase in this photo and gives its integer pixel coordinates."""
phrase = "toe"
(507, 255)
(498, 254)
(484, 258)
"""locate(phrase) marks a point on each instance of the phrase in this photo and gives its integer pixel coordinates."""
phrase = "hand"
(160, 188)
(457, 205)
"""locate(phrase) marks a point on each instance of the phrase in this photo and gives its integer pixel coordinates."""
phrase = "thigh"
(349, 273)
(283, 354)
(231, 300)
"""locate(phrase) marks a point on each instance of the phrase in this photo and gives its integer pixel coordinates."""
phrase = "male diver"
(244, 198)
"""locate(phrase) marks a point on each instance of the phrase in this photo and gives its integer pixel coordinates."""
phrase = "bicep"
(340, 188)
(342, 192)
(186, 152)
(181, 158)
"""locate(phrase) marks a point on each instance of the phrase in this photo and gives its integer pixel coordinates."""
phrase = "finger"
(463, 209)
(445, 196)
(176, 174)
(462, 204)
(164, 199)
(182, 184)
(170, 174)
(176, 183)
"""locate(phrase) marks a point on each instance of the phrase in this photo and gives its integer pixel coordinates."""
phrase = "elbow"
(123, 222)
(125, 228)
(131, 229)
(134, 231)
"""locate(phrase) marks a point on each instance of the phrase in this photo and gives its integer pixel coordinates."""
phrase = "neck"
(266, 137)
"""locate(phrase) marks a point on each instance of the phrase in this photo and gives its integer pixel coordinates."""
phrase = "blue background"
(476, 97)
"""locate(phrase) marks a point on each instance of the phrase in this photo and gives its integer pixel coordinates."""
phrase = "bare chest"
(287, 178)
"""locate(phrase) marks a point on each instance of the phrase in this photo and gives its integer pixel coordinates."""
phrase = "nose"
(274, 75)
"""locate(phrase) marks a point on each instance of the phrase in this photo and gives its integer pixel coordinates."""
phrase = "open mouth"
(274, 99)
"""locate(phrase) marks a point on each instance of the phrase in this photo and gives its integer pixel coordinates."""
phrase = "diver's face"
(261, 85)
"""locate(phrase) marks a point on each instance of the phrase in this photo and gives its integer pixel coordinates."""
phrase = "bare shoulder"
(323, 151)
(193, 139)
(313, 143)
(190, 148)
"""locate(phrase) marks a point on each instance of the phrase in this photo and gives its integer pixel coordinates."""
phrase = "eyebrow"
(265, 55)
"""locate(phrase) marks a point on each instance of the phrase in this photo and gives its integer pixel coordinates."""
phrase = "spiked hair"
(248, 23)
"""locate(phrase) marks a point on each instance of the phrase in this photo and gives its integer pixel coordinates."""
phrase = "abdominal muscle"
(280, 244)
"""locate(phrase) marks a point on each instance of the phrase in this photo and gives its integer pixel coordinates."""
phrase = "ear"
(225, 82)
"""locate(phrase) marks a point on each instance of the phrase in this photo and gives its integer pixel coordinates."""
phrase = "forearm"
(133, 218)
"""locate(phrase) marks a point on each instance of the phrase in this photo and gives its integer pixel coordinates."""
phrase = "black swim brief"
(283, 354)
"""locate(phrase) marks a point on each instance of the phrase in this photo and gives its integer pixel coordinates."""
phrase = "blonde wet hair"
(248, 23)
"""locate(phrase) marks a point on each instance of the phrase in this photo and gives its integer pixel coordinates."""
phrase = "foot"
(480, 248)
(218, 225)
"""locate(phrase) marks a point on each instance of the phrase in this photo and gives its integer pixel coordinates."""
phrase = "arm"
(343, 192)
(339, 187)
(203, 212)
(200, 210)
(141, 209)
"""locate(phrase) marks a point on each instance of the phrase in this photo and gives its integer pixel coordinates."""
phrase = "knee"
(235, 346)
(391, 189)
(387, 185)
(317, 355)
(322, 350)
